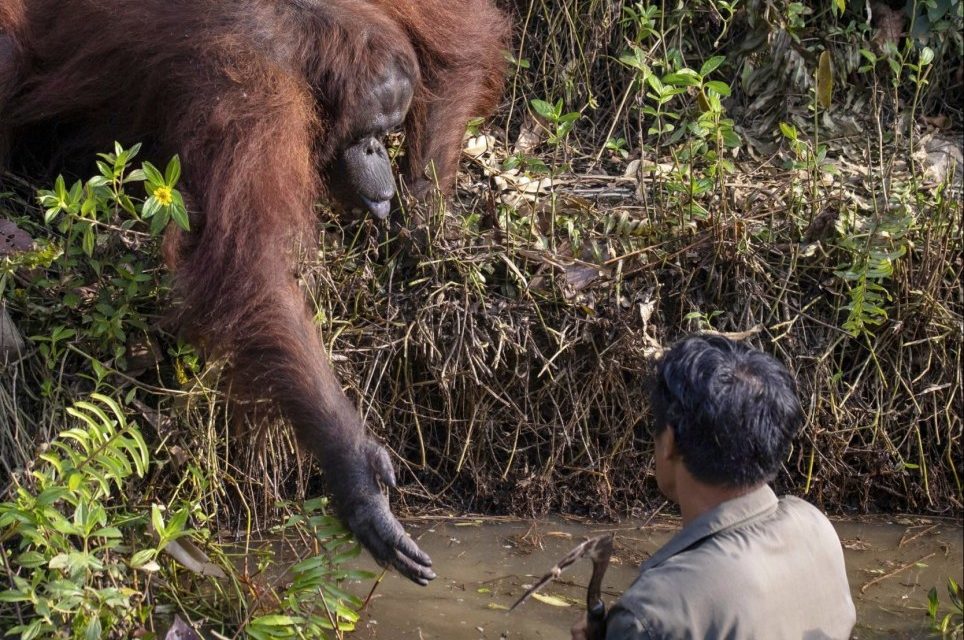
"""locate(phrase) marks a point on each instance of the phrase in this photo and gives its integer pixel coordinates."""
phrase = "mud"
(484, 566)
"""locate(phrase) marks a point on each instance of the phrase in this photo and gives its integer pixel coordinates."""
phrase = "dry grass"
(501, 354)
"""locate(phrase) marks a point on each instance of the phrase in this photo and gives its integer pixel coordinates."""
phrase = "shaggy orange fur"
(257, 97)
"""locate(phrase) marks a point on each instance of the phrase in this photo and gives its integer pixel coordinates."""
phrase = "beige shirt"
(753, 567)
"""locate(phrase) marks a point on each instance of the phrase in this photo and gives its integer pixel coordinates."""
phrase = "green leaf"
(89, 240)
(59, 561)
(114, 407)
(126, 204)
(173, 171)
(310, 564)
(788, 130)
(13, 595)
(353, 552)
(154, 177)
(926, 56)
(682, 78)
(731, 139)
(60, 188)
(954, 591)
(932, 603)
(179, 213)
(894, 65)
(570, 117)
(157, 520)
(31, 559)
(89, 208)
(712, 65)
(137, 175)
(76, 191)
(51, 495)
(720, 87)
(106, 170)
(30, 631)
(275, 620)
(543, 108)
(151, 206)
(141, 558)
(637, 60)
(175, 526)
(160, 220)
(93, 630)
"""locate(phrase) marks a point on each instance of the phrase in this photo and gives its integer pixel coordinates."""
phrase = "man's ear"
(667, 442)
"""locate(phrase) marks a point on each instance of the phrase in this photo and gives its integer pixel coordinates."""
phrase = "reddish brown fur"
(11, 22)
(257, 97)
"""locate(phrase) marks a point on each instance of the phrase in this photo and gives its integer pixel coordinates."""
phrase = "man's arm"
(578, 630)
(620, 625)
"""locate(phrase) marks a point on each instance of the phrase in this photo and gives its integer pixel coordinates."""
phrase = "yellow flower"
(163, 195)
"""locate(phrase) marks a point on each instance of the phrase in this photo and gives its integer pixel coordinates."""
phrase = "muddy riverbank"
(484, 566)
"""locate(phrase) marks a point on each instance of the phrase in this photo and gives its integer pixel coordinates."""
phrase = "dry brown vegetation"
(501, 352)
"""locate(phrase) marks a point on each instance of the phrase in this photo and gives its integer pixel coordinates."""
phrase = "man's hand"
(580, 630)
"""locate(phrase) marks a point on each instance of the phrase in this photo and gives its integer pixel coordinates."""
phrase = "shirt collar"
(724, 516)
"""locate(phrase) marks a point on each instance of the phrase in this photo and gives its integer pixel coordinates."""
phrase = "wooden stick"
(895, 572)
(904, 539)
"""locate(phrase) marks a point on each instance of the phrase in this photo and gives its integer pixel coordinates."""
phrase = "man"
(745, 564)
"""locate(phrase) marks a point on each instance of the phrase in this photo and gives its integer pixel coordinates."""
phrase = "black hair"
(733, 409)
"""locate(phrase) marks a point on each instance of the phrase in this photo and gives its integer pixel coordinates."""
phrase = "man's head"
(732, 411)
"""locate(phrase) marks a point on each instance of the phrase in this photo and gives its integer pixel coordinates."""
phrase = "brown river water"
(485, 565)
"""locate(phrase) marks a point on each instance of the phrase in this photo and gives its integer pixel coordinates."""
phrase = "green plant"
(618, 147)
(74, 533)
(68, 532)
(98, 201)
(951, 623)
(873, 245)
(559, 124)
(809, 158)
(658, 92)
(639, 18)
(698, 143)
(97, 284)
(313, 602)
(186, 361)
(901, 62)
(526, 163)
(702, 321)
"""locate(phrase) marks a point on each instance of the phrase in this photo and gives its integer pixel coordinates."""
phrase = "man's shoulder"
(799, 505)
(799, 518)
(708, 570)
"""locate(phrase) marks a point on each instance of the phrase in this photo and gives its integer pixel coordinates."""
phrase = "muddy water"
(484, 566)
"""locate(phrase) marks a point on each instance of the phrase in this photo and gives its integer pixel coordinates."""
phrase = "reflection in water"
(483, 568)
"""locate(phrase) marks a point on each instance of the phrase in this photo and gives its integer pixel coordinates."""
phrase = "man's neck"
(696, 498)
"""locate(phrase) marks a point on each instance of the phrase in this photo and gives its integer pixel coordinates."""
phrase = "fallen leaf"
(180, 630)
(13, 239)
(555, 601)
(188, 554)
(824, 80)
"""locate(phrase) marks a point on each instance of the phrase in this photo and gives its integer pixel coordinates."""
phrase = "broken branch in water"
(599, 550)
